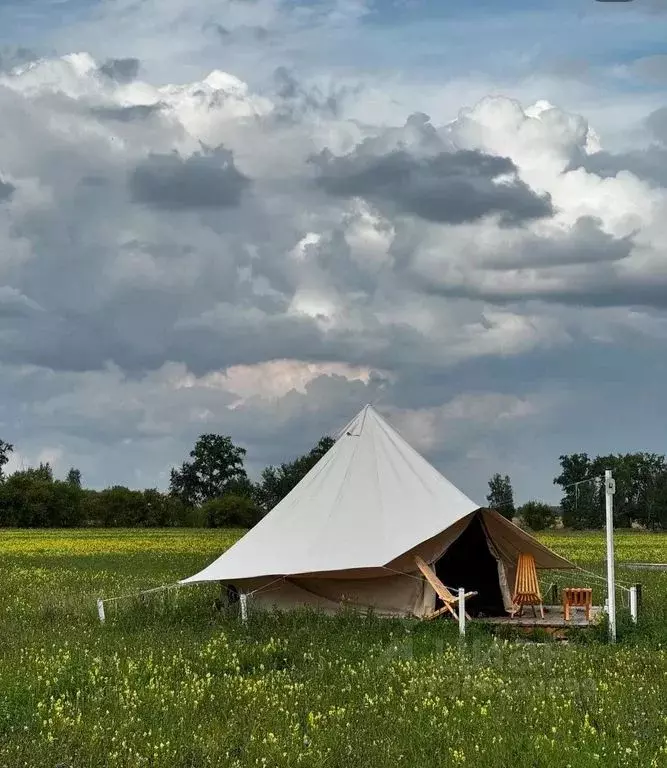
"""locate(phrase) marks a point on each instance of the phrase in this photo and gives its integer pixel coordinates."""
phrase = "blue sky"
(505, 38)
(239, 290)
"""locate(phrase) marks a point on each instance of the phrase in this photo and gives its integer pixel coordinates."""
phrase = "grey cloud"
(585, 244)
(657, 123)
(121, 70)
(418, 135)
(15, 57)
(577, 268)
(221, 31)
(598, 287)
(6, 190)
(138, 286)
(451, 187)
(649, 164)
(207, 179)
(294, 99)
(242, 33)
(127, 114)
(570, 68)
(14, 304)
(652, 68)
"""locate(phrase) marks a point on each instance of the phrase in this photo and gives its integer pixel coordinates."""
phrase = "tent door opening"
(469, 563)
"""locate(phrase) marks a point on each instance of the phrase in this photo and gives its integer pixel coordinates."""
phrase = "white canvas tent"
(348, 534)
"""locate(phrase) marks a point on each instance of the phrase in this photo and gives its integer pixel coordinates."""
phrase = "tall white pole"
(462, 612)
(610, 487)
(243, 599)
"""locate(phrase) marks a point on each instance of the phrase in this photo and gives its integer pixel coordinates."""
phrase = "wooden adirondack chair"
(441, 590)
(526, 586)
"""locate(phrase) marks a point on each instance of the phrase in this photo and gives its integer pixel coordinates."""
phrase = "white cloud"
(454, 422)
(271, 314)
(272, 379)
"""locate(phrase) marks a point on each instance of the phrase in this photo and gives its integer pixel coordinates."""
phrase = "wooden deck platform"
(553, 618)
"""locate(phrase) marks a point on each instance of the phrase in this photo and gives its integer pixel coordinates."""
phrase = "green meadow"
(169, 681)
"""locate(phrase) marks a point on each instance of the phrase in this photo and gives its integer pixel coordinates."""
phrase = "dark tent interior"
(469, 563)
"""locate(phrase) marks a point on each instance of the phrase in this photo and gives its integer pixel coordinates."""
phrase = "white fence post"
(243, 599)
(100, 609)
(633, 603)
(462, 611)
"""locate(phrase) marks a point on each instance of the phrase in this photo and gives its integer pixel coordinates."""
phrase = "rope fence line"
(617, 584)
(102, 600)
(142, 592)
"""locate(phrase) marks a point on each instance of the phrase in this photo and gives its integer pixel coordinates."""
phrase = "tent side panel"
(509, 541)
(503, 568)
(388, 596)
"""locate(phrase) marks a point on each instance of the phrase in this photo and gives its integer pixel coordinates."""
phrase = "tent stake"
(243, 599)
(462, 612)
(100, 609)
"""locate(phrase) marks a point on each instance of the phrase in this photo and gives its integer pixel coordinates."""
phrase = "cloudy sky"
(252, 217)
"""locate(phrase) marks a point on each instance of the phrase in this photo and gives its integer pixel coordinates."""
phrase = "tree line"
(211, 489)
(640, 497)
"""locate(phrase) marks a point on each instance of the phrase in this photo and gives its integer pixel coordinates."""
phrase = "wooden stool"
(579, 597)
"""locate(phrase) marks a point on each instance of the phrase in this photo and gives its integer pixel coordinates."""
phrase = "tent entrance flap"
(469, 563)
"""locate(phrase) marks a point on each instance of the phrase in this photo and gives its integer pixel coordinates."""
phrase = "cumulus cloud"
(173, 260)
(6, 190)
(657, 124)
(206, 179)
(126, 114)
(121, 70)
(12, 57)
(450, 188)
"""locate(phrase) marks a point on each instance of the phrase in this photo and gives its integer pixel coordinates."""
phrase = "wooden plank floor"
(553, 617)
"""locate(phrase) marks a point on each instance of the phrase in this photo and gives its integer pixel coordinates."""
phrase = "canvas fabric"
(349, 532)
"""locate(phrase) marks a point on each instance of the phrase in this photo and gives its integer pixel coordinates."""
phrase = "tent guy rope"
(101, 601)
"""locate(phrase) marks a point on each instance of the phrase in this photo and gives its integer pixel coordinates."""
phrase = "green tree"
(74, 477)
(5, 450)
(67, 505)
(638, 497)
(656, 502)
(33, 499)
(277, 482)
(90, 507)
(162, 510)
(231, 510)
(120, 506)
(216, 468)
(635, 476)
(581, 500)
(501, 495)
(537, 515)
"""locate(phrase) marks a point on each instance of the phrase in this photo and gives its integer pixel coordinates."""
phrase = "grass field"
(170, 683)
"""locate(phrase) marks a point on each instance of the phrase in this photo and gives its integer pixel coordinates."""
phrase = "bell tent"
(351, 531)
